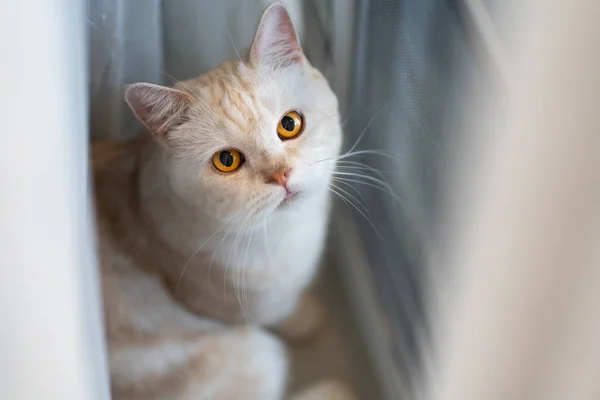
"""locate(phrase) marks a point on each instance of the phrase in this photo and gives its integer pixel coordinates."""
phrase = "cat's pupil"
(226, 158)
(288, 123)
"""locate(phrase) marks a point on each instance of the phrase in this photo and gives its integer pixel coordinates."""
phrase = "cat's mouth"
(290, 197)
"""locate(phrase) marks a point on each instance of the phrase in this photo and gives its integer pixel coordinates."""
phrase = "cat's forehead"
(245, 95)
(240, 107)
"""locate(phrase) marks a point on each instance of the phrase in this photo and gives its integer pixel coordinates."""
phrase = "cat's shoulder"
(115, 163)
(116, 153)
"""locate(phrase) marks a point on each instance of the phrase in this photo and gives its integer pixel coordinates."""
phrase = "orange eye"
(290, 125)
(228, 160)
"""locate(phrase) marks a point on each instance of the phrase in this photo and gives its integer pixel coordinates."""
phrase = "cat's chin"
(289, 199)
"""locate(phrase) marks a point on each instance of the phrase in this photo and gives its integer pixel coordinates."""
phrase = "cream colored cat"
(214, 228)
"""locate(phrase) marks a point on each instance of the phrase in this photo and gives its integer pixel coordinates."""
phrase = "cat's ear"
(276, 42)
(159, 108)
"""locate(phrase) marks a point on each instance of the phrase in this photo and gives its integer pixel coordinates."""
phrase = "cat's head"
(247, 137)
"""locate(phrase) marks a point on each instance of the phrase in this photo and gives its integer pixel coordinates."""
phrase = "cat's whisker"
(382, 184)
(357, 153)
(361, 170)
(383, 189)
(350, 195)
(359, 173)
(345, 200)
(207, 109)
(351, 187)
(356, 170)
(244, 304)
(357, 164)
(366, 128)
(235, 271)
(344, 167)
(379, 186)
(204, 244)
(227, 231)
(347, 119)
(348, 172)
(234, 251)
(377, 152)
(240, 269)
(177, 81)
(237, 53)
(341, 197)
(267, 226)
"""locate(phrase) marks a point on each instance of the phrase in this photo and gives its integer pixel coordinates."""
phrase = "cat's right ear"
(276, 42)
(159, 108)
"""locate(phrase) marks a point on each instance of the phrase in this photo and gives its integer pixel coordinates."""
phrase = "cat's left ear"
(276, 42)
(159, 108)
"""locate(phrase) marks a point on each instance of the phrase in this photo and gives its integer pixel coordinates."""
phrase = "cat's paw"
(305, 322)
(327, 390)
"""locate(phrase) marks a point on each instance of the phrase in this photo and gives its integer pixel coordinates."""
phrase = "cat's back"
(115, 157)
(115, 166)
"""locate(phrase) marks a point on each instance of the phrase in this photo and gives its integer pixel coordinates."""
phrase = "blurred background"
(433, 91)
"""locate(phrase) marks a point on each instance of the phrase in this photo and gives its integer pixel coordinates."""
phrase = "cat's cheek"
(304, 181)
(296, 178)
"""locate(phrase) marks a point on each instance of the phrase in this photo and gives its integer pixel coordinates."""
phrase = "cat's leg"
(305, 321)
(329, 390)
(244, 363)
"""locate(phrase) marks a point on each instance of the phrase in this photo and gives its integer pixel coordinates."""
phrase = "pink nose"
(281, 177)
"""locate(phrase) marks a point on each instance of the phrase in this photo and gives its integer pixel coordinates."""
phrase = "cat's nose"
(280, 177)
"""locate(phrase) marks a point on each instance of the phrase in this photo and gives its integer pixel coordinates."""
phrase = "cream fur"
(195, 261)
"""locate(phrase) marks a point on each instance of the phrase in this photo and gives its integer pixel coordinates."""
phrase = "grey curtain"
(125, 40)
(409, 78)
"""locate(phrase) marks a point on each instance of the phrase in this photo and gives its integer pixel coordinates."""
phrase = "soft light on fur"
(195, 261)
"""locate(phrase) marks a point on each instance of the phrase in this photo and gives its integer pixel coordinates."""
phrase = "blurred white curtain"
(524, 323)
(51, 340)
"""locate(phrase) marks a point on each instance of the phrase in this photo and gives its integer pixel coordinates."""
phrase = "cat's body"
(196, 260)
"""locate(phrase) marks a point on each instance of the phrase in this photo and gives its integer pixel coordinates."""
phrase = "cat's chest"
(283, 250)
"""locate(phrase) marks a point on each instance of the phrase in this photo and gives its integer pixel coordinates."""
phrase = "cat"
(211, 227)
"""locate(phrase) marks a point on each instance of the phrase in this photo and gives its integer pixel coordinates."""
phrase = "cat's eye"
(228, 160)
(290, 125)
